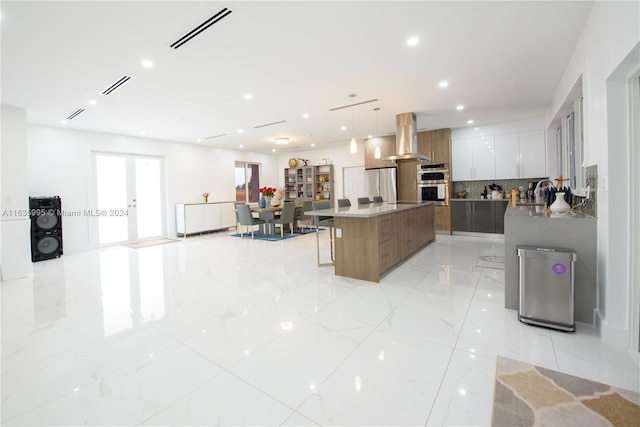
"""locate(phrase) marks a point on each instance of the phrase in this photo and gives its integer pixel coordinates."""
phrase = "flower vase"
(205, 199)
(560, 205)
(262, 202)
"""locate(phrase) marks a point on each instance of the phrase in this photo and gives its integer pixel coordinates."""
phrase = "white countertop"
(367, 211)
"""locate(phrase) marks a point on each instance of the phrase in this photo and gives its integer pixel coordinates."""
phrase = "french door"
(129, 191)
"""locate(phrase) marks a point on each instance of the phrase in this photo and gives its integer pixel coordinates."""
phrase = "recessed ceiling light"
(241, 146)
(143, 132)
(460, 107)
(282, 140)
(343, 128)
(198, 140)
(369, 136)
(147, 64)
(412, 41)
(313, 145)
(92, 102)
(248, 96)
(443, 84)
(305, 115)
(64, 122)
(469, 122)
(476, 128)
(273, 150)
(240, 130)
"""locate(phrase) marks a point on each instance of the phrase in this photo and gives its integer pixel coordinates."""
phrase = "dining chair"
(235, 208)
(246, 218)
(323, 221)
(286, 217)
(363, 201)
(343, 203)
(377, 199)
(304, 219)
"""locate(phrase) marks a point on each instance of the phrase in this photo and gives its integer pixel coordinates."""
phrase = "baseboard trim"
(615, 337)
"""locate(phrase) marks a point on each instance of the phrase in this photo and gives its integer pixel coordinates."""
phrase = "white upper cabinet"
(533, 154)
(473, 159)
(484, 166)
(520, 155)
(461, 159)
(507, 158)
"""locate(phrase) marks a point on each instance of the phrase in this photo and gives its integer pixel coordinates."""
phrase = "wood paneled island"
(372, 239)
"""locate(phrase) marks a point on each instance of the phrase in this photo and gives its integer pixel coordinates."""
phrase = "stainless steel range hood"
(406, 139)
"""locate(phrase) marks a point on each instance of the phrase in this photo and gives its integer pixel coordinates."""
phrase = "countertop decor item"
(205, 197)
(266, 194)
(560, 205)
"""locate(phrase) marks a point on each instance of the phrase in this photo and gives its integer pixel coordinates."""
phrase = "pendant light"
(376, 152)
(353, 147)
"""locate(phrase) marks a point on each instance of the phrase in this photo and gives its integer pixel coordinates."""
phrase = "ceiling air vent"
(269, 124)
(115, 85)
(75, 114)
(200, 28)
(216, 136)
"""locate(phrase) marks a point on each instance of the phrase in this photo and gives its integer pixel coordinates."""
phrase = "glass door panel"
(129, 194)
(111, 178)
(148, 198)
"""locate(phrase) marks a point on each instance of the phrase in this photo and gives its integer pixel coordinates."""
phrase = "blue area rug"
(274, 237)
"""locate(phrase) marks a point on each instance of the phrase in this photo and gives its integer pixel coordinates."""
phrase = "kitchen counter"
(368, 211)
(371, 240)
(479, 200)
(532, 225)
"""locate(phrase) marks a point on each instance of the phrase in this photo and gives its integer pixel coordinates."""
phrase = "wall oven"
(433, 183)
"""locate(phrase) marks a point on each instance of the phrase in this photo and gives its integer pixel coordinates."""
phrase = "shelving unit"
(309, 182)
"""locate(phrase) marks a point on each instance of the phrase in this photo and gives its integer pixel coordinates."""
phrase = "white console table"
(196, 218)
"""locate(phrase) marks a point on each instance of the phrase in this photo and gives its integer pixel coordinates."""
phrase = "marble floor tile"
(215, 330)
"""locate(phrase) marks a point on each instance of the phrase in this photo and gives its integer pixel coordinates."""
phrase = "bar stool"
(377, 199)
(343, 203)
(323, 221)
(363, 201)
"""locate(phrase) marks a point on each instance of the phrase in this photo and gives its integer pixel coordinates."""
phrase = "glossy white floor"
(216, 330)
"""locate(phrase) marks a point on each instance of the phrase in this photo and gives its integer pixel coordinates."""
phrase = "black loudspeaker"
(46, 227)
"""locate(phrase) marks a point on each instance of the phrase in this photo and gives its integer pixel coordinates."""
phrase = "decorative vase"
(262, 202)
(205, 198)
(560, 205)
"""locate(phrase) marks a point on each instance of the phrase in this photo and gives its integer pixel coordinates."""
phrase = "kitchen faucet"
(540, 188)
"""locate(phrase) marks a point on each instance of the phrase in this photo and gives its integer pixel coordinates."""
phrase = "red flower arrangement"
(267, 191)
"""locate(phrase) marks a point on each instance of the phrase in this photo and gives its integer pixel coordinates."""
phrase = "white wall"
(15, 243)
(610, 34)
(60, 163)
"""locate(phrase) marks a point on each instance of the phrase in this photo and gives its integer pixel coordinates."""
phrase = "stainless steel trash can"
(547, 286)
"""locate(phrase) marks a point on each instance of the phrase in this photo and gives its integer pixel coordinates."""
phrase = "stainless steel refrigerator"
(381, 182)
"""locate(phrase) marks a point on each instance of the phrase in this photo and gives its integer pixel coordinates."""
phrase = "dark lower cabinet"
(478, 216)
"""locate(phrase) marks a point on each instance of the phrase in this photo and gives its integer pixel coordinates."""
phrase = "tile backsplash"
(475, 188)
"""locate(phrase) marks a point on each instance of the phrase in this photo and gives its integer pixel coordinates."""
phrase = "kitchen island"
(372, 239)
(535, 226)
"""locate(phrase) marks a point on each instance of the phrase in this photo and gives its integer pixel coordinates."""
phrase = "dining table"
(268, 214)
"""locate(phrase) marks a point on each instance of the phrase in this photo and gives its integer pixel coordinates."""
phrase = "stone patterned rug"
(490, 261)
(527, 395)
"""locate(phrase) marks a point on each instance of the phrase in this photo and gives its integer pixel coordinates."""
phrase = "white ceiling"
(503, 61)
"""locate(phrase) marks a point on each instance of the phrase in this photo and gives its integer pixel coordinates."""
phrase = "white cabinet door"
(533, 154)
(483, 158)
(507, 156)
(194, 218)
(462, 159)
(227, 215)
(211, 216)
